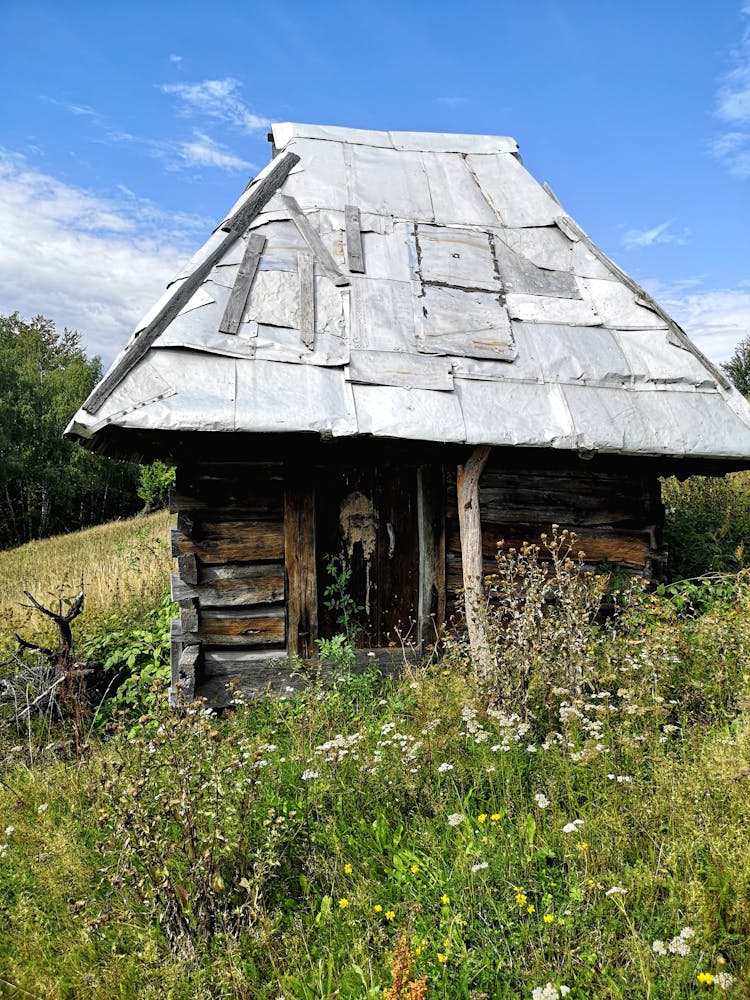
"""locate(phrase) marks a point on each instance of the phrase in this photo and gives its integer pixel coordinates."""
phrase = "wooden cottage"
(379, 313)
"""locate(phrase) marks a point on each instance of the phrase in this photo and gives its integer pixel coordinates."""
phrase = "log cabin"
(396, 350)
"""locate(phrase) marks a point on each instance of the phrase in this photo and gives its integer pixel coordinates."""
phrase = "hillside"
(416, 837)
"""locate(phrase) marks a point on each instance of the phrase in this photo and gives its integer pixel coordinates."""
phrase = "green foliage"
(707, 524)
(154, 482)
(48, 485)
(136, 648)
(337, 596)
(738, 367)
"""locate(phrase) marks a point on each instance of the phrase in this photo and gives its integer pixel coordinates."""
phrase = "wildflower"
(547, 992)
(541, 800)
(42, 808)
(445, 899)
(705, 978)
(530, 908)
(521, 899)
(564, 990)
(343, 903)
(482, 818)
(616, 890)
(442, 958)
(455, 819)
(9, 830)
(679, 946)
(348, 869)
(445, 766)
(496, 817)
(390, 914)
(724, 980)
(658, 947)
(549, 918)
(479, 866)
(582, 846)
(378, 908)
(309, 775)
(572, 827)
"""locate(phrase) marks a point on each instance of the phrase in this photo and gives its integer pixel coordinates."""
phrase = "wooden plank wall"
(617, 515)
(230, 584)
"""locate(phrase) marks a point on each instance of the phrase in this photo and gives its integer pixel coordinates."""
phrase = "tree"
(738, 367)
(48, 485)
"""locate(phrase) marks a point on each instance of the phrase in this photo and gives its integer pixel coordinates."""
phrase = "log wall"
(616, 513)
(230, 584)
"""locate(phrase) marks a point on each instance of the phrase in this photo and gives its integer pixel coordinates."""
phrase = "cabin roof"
(416, 286)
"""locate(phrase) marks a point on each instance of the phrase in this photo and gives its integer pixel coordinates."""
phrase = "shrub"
(707, 523)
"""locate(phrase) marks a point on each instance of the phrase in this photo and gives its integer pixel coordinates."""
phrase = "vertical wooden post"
(301, 574)
(470, 526)
(431, 529)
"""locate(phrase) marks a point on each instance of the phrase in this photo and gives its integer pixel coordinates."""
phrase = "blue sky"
(127, 131)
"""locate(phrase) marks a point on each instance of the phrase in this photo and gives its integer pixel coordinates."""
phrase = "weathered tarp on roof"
(414, 286)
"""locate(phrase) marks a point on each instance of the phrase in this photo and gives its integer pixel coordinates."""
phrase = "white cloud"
(202, 151)
(175, 58)
(732, 147)
(715, 319)
(218, 99)
(89, 263)
(649, 237)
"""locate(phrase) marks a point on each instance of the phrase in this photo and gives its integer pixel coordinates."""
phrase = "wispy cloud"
(175, 58)
(451, 102)
(219, 100)
(732, 147)
(202, 151)
(90, 263)
(716, 319)
(662, 233)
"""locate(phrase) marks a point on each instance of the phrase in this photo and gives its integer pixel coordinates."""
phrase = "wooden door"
(366, 519)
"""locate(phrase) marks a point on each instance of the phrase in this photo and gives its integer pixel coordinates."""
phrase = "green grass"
(600, 842)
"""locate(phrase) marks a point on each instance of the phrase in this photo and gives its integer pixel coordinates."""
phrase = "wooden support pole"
(431, 528)
(470, 526)
(299, 556)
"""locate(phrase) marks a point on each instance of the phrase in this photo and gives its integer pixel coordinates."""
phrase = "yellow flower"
(343, 903)
(485, 840)
(582, 845)
(446, 943)
(445, 899)
(418, 950)
(549, 918)
(442, 958)
(482, 818)
(496, 817)
(704, 977)
(414, 869)
(348, 869)
(378, 908)
(390, 914)
(530, 908)
(521, 899)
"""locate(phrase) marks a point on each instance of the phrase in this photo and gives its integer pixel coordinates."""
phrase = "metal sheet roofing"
(411, 285)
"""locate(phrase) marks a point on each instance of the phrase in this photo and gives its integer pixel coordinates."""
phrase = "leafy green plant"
(338, 651)
(707, 524)
(154, 481)
(137, 648)
(337, 596)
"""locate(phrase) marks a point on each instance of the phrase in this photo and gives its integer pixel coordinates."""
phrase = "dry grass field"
(122, 562)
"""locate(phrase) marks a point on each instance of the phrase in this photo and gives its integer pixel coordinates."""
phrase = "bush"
(707, 523)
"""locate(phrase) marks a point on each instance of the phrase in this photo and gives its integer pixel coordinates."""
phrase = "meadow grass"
(402, 835)
(121, 563)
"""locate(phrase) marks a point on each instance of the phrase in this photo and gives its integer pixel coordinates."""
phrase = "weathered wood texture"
(262, 192)
(301, 570)
(354, 256)
(617, 516)
(431, 526)
(471, 545)
(229, 543)
(230, 321)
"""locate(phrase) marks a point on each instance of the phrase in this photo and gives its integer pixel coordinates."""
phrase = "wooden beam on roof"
(260, 193)
(354, 256)
(305, 269)
(230, 321)
(314, 241)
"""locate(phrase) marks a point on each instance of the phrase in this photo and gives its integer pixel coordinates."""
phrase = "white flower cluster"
(549, 992)
(339, 747)
(677, 946)
(572, 827)
(455, 819)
